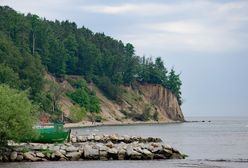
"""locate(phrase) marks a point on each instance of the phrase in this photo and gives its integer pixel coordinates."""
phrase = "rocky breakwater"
(92, 147)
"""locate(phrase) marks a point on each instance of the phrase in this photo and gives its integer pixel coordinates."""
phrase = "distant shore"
(86, 124)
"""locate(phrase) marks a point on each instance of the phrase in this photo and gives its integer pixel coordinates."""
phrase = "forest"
(31, 46)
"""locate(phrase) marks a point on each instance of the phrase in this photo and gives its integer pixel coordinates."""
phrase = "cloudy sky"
(205, 40)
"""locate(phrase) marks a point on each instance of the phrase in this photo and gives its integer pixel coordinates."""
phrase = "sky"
(204, 40)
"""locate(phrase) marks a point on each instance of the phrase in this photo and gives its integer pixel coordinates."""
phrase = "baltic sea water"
(223, 142)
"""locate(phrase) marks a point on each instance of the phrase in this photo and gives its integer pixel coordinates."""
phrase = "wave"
(227, 160)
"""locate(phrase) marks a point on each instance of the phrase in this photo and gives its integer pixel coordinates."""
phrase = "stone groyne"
(92, 147)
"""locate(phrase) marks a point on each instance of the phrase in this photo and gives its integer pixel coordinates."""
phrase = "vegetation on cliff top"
(30, 46)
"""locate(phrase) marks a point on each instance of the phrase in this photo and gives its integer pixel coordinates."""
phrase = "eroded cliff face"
(139, 102)
(142, 101)
(163, 99)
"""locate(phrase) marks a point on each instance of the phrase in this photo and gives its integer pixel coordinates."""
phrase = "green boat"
(56, 134)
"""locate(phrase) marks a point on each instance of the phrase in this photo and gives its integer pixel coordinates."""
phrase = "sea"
(218, 142)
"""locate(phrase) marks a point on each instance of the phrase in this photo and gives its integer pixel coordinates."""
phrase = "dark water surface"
(219, 143)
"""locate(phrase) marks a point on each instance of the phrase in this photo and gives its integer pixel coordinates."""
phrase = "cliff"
(164, 101)
(139, 103)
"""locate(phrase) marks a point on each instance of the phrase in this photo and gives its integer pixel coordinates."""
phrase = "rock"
(30, 156)
(74, 155)
(132, 153)
(97, 138)
(19, 158)
(55, 148)
(166, 146)
(73, 139)
(176, 156)
(62, 151)
(126, 138)
(121, 138)
(52, 156)
(58, 154)
(63, 147)
(114, 137)
(63, 159)
(159, 156)
(175, 151)
(112, 151)
(40, 155)
(13, 156)
(121, 154)
(5, 157)
(156, 145)
(43, 147)
(147, 154)
(82, 138)
(90, 137)
(71, 149)
(91, 152)
(167, 153)
(48, 155)
(110, 144)
(103, 154)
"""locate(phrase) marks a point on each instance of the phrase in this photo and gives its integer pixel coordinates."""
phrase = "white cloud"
(178, 27)
(140, 9)
(155, 27)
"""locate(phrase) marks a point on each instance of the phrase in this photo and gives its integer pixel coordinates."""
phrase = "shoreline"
(99, 124)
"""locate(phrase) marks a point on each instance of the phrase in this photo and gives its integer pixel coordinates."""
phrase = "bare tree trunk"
(33, 43)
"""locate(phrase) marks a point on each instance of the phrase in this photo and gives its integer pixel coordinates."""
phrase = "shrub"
(155, 116)
(17, 115)
(86, 99)
(110, 90)
(77, 113)
(98, 118)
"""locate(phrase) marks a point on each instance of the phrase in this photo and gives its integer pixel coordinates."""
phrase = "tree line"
(30, 46)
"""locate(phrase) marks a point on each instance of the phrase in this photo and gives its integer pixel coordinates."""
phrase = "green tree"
(8, 76)
(174, 84)
(17, 115)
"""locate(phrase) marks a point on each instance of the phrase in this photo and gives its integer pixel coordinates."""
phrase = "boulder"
(73, 139)
(112, 151)
(82, 138)
(55, 148)
(121, 154)
(13, 156)
(58, 154)
(71, 149)
(90, 137)
(114, 137)
(132, 154)
(166, 146)
(109, 144)
(147, 154)
(159, 156)
(74, 155)
(97, 138)
(103, 154)
(40, 154)
(19, 157)
(176, 156)
(91, 152)
(167, 153)
(30, 156)
(62, 151)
